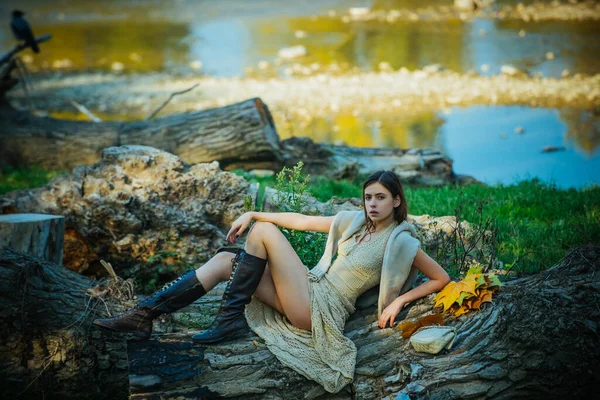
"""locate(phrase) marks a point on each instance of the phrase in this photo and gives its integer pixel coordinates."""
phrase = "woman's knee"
(259, 229)
(223, 259)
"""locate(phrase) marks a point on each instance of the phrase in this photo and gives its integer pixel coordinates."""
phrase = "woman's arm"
(438, 278)
(296, 221)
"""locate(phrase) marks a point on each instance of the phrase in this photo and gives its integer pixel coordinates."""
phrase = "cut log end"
(40, 235)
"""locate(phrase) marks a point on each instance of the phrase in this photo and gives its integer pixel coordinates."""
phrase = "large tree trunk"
(47, 347)
(40, 235)
(538, 339)
(241, 133)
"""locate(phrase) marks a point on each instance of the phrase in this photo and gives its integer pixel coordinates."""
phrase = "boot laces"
(235, 260)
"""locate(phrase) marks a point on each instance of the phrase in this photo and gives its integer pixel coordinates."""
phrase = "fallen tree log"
(538, 339)
(47, 347)
(240, 134)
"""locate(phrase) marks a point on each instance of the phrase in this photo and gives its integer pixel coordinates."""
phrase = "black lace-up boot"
(172, 297)
(230, 323)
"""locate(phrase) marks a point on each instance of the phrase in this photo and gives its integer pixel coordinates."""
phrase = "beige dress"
(325, 355)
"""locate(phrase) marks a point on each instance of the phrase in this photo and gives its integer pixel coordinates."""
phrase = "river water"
(230, 38)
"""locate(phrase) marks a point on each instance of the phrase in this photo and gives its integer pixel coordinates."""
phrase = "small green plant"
(291, 189)
(291, 197)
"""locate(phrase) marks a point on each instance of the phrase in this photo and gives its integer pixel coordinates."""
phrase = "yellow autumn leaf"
(462, 310)
(486, 296)
(452, 292)
(463, 296)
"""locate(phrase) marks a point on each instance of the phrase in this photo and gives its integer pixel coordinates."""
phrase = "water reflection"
(227, 37)
(493, 144)
(354, 129)
(486, 142)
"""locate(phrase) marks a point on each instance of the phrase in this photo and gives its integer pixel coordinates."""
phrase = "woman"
(300, 314)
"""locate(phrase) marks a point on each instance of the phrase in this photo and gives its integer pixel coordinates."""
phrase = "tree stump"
(40, 235)
(48, 348)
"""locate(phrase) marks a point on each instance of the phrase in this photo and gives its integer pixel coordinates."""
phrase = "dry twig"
(168, 100)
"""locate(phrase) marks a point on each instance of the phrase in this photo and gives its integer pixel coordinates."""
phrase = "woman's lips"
(373, 212)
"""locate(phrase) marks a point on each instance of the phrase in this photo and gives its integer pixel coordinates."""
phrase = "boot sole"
(228, 337)
(136, 335)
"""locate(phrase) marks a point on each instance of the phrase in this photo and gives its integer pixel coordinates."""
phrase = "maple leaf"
(452, 292)
(494, 281)
(475, 269)
(408, 328)
(475, 279)
(463, 296)
(486, 296)
(462, 310)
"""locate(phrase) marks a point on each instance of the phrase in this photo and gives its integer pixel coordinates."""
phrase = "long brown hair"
(392, 183)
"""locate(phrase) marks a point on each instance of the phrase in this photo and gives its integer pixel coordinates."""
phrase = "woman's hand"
(390, 312)
(238, 227)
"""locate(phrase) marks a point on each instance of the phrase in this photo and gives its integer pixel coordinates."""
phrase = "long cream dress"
(325, 355)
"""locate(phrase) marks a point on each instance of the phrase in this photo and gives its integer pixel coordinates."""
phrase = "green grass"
(537, 222)
(24, 178)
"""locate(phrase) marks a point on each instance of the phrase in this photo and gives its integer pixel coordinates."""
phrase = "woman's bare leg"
(289, 275)
(218, 269)
(215, 270)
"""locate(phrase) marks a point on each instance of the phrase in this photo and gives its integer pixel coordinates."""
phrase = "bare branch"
(168, 100)
(84, 110)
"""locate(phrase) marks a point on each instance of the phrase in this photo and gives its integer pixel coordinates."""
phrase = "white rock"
(565, 73)
(385, 66)
(433, 68)
(484, 67)
(466, 5)
(358, 11)
(519, 130)
(263, 64)
(197, 65)
(300, 34)
(510, 70)
(549, 55)
(117, 66)
(292, 52)
(522, 33)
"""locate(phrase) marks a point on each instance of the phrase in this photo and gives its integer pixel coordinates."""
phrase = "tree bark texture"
(413, 166)
(40, 235)
(48, 348)
(538, 339)
(241, 133)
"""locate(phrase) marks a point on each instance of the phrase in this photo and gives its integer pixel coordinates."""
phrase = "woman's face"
(379, 202)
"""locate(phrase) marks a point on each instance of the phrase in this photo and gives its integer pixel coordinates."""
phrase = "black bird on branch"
(22, 30)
